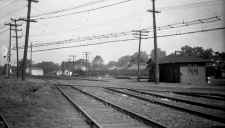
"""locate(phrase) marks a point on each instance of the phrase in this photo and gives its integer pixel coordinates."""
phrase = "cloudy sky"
(83, 19)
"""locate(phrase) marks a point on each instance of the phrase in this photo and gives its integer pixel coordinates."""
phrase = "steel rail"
(91, 121)
(204, 95)
(151, 90)
(4, 122)
(134, 115)
(204, 115)
(181, 100)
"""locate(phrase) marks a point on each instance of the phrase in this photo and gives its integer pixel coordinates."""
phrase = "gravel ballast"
(167, 117)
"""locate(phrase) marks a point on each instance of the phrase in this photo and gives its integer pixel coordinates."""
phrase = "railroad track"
(212, 104)
(210, 112)
(3, 122)
(208, 95)
(204, 95)
(100, 113)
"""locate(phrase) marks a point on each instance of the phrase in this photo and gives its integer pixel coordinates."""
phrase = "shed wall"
(192, 74)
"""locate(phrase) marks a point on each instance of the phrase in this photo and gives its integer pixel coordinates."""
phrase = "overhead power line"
(105, 36)
(121, 34)
(189, 23)
(192, 32)
(176, 25)
(125, 40)
(14, 12)
(191, 5)
(42, 16)
(2, 27)
(71, 8)
(83, 11)
(3, 31)
(82, 45)
(7, 4)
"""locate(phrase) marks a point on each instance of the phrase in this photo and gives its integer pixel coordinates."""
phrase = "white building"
(35, 71)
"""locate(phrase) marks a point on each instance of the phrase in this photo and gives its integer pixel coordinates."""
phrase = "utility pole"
(86, 61)
(156, 74)
(31, 50)
(73, 57)
(9, 51)
(140, 35)
(28, 20)
(17, 51)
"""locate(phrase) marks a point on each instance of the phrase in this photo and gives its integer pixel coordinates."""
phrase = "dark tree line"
(198, 52)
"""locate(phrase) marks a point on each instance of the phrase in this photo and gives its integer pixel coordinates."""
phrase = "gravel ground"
(36, 104)
(103, 114)
(43, 108)
(168, 117)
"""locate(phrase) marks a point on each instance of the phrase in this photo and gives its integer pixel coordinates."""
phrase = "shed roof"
(182, 59)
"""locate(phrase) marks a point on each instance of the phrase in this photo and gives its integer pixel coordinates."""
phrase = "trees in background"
(160, 53)
(195, 51)
(47, 66)
(111, 64)
(129, 60)
(143, 58)
(97, 63)
(124, 61)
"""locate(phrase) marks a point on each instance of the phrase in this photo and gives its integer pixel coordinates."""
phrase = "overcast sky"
(128, 16)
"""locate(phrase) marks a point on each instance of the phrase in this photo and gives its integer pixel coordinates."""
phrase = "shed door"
(169, 73)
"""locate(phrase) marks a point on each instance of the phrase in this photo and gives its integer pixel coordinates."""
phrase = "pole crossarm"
(8, 24)
(25, 19)
(142, 35)
(155, 11)
(16, 29)
(16, 37)
(35, 1)
(138, 31)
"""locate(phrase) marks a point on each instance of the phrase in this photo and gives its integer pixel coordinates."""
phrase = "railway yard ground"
(109, 103)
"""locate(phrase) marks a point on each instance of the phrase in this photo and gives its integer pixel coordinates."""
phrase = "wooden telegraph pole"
(9, 51)
(141, 34)
(8, 66)
(73, 58)
(153, 11)
(86, 54)
(17, 51)
(28, 20)
(31, 56)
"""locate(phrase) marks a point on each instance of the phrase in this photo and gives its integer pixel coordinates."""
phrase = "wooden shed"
(188, 70)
